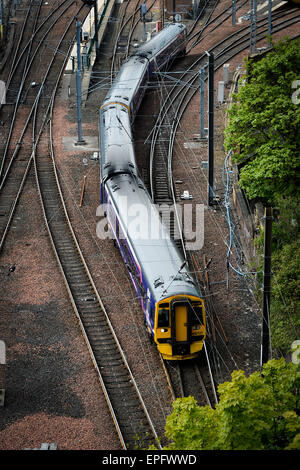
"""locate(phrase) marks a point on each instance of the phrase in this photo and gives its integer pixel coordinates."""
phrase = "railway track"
(178, 98)
(132, 421)
(192, 378)
(129, 414)
(163, 191)
(129, 22)
(20, 145)
(128, 411)
(163, 188)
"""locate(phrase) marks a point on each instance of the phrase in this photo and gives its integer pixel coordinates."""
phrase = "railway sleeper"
(84, 294)
(96, 313)
(100, 335)
(124, 384)
(91, 314)
(134, 426)
(92, 323)
(102, 347)
(110, 356)
(70, 260)
(117, 371)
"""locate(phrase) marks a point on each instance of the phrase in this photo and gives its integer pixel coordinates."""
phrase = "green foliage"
(285, 299)
(286, 228)
(285, 290)
(254, 413)
(264, 134)
(264, 125)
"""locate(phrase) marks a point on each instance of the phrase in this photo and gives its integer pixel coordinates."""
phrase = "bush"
(254, 413)
(264, 125)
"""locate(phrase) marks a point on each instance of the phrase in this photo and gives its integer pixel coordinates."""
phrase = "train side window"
(152, 315)
(163, 317)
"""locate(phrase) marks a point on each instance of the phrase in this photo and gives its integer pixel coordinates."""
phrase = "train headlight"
(196, 327)
(164, 330)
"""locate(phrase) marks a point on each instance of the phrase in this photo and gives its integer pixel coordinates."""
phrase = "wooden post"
(82, 191)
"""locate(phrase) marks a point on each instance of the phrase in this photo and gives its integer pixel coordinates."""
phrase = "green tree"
(264, 125)
(285, 286)
(254, 413)
(285, 296)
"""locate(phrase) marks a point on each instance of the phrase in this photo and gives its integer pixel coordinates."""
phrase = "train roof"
(150, 48)
(154, 250)
(127, 80)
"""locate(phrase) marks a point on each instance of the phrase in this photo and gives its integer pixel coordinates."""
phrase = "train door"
(181, 323)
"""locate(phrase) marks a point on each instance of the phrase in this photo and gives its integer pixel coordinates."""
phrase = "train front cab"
(180, 327)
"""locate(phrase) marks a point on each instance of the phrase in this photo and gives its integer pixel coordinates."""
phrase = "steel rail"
(162, 112)
(17, 104)
(132, 26)
(164, 104)
(199, 33)
(131, 30)
(12, 72)
(183, 379)
(25, 127)
(168, 103)
(229, 47)
(201, 381)
(20, 38)
(122, 25)
(74, 303)
(275, 15)
(50, 111)
(15, 62)
(181, 108)
(209, 23)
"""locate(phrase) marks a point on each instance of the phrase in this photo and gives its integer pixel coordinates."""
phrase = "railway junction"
(65, 290)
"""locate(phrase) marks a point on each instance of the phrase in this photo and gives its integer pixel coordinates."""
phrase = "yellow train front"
(180, 327)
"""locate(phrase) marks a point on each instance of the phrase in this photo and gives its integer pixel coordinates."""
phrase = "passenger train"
(173, 307)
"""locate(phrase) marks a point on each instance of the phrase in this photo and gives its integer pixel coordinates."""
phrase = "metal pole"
(96, 25)
(80, 140)
(233, 12)
(143, 17)
(265, 335)
(269, 22)
(210, 127)
(254, 22)
(195, 9)
(251, 25)
(202, 85)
